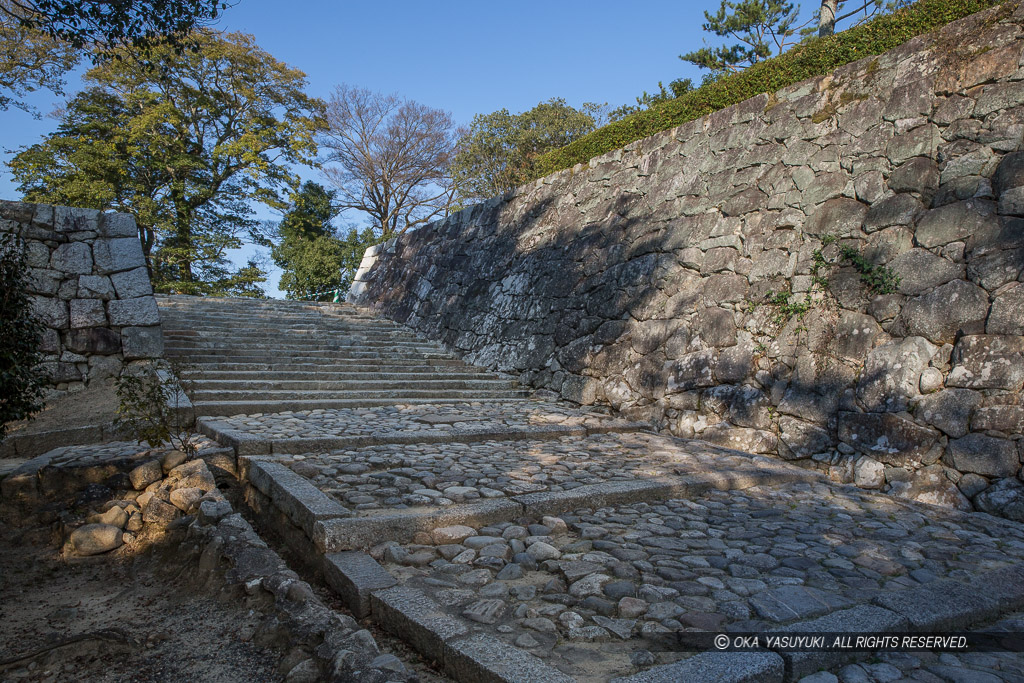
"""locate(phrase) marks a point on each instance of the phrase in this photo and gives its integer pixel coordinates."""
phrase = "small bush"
(21, 378)
(150, 407)
(814, 58)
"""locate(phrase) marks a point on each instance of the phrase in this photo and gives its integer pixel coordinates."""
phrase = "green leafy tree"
(314, 259)
(760, 27)
(497, 152)
(648, 100)
(21, 379)
(30, 60)
(111, 22)
(41, 40)
(185, 140)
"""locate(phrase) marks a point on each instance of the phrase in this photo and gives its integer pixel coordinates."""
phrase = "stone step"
(381, 383)
(267, 355)
(410, 374)
(317, 343)
(213, 321)
(224, 408)
(200, 394)
(289, 333)
(342, 366)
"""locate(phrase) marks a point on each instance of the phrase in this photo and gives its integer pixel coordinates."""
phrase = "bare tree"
(389, 157)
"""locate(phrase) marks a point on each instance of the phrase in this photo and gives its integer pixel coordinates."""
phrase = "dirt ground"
(133, 618)
(95, 405)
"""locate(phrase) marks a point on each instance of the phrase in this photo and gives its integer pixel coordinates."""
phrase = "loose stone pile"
(627, 577)
(401, 476)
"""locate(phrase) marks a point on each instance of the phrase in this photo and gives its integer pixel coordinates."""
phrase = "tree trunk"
(827, 17)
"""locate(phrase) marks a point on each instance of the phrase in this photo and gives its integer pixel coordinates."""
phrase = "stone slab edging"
(245, 443)
(414, 617)
(354, 576)
(30, 445)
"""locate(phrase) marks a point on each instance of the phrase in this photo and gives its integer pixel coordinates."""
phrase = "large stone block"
(118, 225)
(94, 341)
(988, 361)
(957, 307)
(1005, 498)
(920, 270)
(132, 283)
(95, 287)
(51, 312)
(953, 222)
(113, 255)
(142, 342)
(949, 410)
(134, 312)
(984, 455)
(73, 258)
(1007, 316)
(692, 371)
(887, 437)
(72, 219)
(803, 439)
(87, 313)
(892, 374)
(840, 217)
(919, 175)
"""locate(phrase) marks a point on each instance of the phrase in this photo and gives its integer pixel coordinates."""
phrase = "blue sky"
(465, 57)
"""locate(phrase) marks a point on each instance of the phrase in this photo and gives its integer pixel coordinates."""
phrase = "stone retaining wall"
(642, 280)
(89, 286)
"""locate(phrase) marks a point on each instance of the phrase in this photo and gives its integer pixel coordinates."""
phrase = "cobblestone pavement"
(598, 592)
(400, 476)
(423, 419)
(928, 667)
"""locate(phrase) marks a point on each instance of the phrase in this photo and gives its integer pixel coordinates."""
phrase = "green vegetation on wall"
(816, 57)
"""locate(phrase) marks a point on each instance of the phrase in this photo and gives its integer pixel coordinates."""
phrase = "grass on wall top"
(814, 58)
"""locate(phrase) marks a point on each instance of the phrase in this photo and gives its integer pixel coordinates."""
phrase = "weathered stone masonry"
(89, 286)
(639, 280)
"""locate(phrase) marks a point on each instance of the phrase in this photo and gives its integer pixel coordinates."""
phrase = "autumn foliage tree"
(185, 140)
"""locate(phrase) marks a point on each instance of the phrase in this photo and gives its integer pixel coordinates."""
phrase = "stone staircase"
(244, 356)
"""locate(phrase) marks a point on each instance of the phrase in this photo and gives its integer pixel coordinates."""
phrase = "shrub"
(21, 378)
(151, 405)
(814, 58)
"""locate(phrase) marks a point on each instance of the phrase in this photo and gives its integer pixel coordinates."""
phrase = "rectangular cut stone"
(353, 576)
(117, 254)
(356, 533)
(416, 619)
(118, 225)
(140, 312)
(859, 619)
(132, 283)
(304, 503)
(941, 605)
(721, 667)
(485, 659)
